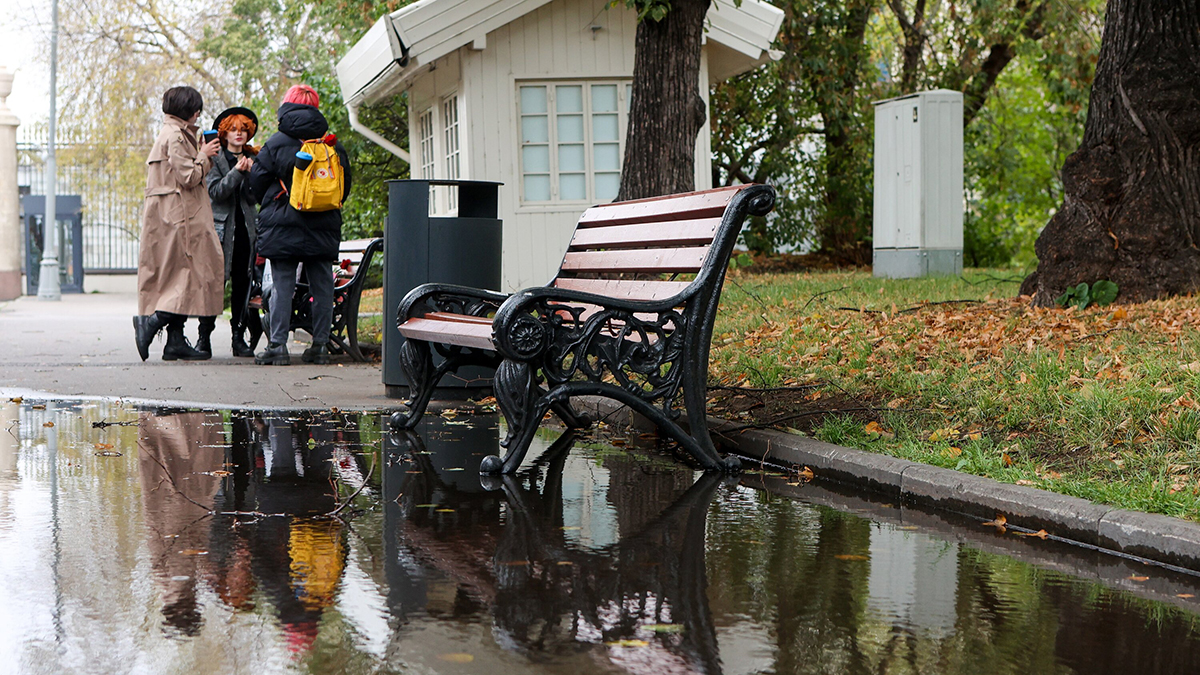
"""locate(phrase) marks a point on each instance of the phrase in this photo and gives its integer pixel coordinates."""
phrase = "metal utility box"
(419, 248)
(918, 208)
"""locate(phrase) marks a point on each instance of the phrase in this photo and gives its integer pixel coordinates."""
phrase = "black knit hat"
(236, 110)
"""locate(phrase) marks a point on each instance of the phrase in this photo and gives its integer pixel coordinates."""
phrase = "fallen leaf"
(564, 562)
(1120, 314)
(48, 424)
(806, 473)
(1040, 534)
(628, 643)
(1134, 577)
(875, 429)
(1025, 482)
(851, 556)
(102, 446)
(457, 657)
(1000, 521)
(895, 403)
(16, 399)
(1184, 595)
(952, 451)
(943, 434)
(1004, 457)
(193, 551)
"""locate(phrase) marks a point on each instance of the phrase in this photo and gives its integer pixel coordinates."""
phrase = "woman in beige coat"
(181, 270)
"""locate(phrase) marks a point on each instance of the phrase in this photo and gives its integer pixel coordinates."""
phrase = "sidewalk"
(83, 347)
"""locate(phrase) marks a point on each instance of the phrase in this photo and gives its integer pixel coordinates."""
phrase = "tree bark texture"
(1131, 211)
(667, 111)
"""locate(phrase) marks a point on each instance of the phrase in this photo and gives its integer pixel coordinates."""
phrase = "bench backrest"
(669, 235)
(351, 254)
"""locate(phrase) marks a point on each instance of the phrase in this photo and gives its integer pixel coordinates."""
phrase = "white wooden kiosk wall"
(464, 60)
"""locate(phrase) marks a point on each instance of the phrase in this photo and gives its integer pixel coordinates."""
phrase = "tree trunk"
(1131, 211)
(667, 110)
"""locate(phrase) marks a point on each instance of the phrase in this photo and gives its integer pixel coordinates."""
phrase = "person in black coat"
(287, 237)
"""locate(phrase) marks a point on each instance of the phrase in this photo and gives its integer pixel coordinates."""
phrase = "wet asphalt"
(82, 346)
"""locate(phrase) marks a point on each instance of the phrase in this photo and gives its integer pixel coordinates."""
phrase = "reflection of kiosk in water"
(546, 594)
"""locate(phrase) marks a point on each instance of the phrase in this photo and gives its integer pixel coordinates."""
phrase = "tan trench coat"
(180, 268)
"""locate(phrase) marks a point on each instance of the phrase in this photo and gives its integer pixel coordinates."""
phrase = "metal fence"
(112, 197)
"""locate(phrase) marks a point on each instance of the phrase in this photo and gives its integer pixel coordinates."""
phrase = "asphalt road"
(83, 346)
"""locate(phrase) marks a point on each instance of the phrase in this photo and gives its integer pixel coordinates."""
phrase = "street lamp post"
(49, 287)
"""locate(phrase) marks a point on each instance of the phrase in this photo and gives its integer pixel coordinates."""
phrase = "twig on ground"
(814, 297)
(807, 413)
(914, 308)
(104, 423)
(747, 292)
(988, 277)
(1103, 332)
(759, 390)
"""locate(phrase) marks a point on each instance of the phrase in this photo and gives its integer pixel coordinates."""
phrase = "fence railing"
(103, 176)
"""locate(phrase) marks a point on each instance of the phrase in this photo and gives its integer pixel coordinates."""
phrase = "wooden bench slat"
(476, 335)
(685, 206)
(670, 234)
(655, 260)
(463, 318)
(632, 289)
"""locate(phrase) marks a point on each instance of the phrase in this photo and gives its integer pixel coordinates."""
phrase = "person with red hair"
(287, 237)
(234, 214)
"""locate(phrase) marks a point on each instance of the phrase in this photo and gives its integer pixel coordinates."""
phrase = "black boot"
(144, 330)
(318, 353)
(204, 338)
(178, 347)
(276, 354)
(239, 346)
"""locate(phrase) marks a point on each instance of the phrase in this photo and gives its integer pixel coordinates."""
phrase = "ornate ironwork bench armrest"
(448, 298)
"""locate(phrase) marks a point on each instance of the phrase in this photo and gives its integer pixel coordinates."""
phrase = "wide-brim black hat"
(236, 110)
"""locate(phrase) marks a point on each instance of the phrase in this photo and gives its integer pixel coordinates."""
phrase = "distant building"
(535, 94)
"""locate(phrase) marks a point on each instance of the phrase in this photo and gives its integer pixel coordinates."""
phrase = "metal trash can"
(422, 248)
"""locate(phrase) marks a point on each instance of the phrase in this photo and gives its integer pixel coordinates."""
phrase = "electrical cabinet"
(918, 202)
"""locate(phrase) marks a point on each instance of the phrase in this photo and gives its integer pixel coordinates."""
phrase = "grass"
(1100, 404)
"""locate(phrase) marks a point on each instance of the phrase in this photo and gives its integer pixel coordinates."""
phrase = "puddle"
(182, 541)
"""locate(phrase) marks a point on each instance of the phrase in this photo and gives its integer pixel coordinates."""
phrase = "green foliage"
(805, 123)
(1101, 293)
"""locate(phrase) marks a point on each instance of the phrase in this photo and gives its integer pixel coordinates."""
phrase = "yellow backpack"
(320, 185)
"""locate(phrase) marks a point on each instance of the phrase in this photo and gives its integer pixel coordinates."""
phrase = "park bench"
(350, 275)
(616, 321)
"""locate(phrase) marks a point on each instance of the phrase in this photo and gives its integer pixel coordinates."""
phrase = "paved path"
(83, 346)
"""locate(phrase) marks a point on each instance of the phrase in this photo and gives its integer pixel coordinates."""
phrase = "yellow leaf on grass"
(457, 657)
(1004, 457)
(952, 451)
(943, 434)
(1120, 314)
(895, 403)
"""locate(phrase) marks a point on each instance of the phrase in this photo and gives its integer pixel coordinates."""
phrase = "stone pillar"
(10, 219)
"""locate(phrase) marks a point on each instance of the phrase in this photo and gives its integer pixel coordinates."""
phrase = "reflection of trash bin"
(70, 241)
(422, 248)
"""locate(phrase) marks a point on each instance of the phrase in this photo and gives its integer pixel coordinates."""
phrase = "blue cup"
(303, 159)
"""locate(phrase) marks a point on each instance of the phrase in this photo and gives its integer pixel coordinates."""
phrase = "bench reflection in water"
(504, 542)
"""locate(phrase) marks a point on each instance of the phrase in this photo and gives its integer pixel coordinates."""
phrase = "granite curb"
(1162, 539)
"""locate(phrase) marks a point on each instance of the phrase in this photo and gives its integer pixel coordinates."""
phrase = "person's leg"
(279, 318)
(320, 285)
(204, 340)
(239, 280)
(177, 346)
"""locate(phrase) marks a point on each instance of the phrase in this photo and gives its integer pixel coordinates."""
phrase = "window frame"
(623, 86)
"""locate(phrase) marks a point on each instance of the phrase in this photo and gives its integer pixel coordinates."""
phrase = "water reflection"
(178, 541)
(544, 594)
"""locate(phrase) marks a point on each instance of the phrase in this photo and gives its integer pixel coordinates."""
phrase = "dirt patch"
(801, 408)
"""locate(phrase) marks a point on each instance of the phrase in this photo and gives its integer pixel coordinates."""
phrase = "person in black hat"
(234, 214)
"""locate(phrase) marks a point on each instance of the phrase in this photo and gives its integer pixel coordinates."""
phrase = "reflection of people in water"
(283, 467)
(245, 528)
(178, 453)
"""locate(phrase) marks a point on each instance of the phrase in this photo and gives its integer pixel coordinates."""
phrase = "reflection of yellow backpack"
(320, 186)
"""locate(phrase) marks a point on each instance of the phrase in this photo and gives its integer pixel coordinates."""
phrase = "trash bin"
(422, 248)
